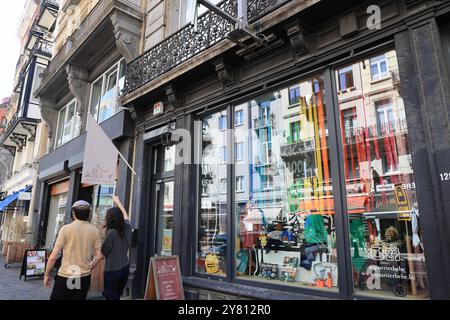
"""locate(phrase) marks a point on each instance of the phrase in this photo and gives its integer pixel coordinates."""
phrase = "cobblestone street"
(11, 288)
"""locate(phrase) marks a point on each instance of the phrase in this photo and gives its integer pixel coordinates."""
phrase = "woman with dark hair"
(115, 250)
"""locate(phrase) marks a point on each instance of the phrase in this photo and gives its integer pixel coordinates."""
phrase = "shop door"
(162, 194)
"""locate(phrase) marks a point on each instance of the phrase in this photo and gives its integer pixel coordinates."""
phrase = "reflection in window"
(379, 67)
(346, 78)
(212, 228)
(386, 243)
(285, 215)
(102, 201)
(104, 92)
(68, 124)
(239, 117)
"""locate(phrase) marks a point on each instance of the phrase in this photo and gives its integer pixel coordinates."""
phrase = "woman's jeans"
(115, 282)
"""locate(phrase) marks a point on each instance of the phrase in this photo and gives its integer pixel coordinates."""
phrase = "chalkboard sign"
(164, 279)
(33, 265)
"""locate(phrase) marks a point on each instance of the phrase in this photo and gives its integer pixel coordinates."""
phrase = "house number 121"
(445, 176)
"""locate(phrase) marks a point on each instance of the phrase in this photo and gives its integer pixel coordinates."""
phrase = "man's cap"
(81, 204)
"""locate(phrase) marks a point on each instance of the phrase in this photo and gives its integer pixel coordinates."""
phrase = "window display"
(386, 245)
(56, 212)
(212, 232)
(284, 218)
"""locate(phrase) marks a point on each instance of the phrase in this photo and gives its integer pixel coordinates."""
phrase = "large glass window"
(387, 251)
(104, 92)
(68, 124)
(212, 225)
(284, 215)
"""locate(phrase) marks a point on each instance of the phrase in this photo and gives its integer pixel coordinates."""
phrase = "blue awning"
(11, 198)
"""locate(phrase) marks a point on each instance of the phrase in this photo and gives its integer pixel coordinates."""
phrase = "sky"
(10, 14)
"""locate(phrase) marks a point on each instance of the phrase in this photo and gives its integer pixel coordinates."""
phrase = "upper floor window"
(379, 67)
(346, 78)
(183, 11)
(104, 91)
(222, 122)
(294, 95)
(239, 117)
(68, 124)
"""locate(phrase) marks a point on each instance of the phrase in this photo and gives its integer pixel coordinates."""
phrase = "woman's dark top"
(115, 248)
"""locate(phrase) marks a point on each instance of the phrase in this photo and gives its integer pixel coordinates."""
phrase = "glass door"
(163, 199)
(164, 216)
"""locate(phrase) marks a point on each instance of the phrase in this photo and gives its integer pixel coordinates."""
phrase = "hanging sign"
(164, 280)
(100, 157)
(401, 197)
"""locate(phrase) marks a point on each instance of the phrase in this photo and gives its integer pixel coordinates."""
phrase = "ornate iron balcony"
(185, 44)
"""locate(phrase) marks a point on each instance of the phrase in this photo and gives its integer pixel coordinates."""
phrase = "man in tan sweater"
(81, 246)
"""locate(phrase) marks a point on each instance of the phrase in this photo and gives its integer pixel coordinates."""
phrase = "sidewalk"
(11, 288)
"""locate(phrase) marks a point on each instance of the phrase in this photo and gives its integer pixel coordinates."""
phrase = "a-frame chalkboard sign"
(34, 264)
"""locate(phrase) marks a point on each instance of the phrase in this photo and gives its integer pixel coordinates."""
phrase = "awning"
(10, 199)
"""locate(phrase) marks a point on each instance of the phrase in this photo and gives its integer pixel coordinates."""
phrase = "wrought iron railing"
(185, 44)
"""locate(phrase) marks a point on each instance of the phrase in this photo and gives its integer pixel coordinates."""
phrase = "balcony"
(185, 44)
(95, 33)
(21, 129)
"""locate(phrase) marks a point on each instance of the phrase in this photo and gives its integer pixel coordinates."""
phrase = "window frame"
(105, 78)
(74, 128)
(345, 71)
(378, 64)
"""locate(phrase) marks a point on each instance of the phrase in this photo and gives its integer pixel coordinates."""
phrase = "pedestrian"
(81, 243)
(115, 250)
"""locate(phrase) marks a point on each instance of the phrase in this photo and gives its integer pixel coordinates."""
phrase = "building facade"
(309, 161)
(24, 136)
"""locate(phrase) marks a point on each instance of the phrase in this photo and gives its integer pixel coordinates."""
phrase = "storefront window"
(56, 212)
(284, 215)
(212, 232)
(387, 251)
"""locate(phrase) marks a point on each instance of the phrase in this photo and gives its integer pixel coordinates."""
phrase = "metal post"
(242, 14)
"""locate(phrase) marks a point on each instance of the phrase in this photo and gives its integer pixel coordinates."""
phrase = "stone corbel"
(173, 96)
(224, 72)
(79, 87)
(297, 38)
(135, 114)
(10, 149)
(31, 129)
(127, 30)
(49, 114)
(20, 140)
